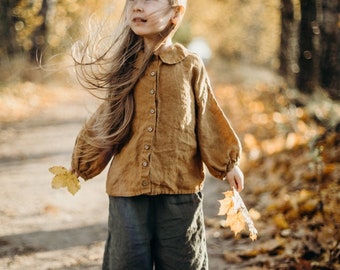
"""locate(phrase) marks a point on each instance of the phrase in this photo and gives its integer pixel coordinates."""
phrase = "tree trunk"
(289, 42)
(309, 46)
(330, 56)
(8, 44)
(39, 36)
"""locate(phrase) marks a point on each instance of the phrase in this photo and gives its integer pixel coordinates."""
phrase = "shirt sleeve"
(89, 160)
(219, 145)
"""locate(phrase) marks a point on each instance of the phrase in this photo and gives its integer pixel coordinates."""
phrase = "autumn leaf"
(64, 178)
(236, 222)
(237, 214)
(226, 203)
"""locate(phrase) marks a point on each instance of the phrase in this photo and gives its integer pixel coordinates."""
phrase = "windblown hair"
(113, 75)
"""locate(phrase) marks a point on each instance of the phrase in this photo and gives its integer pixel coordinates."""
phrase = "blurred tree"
(288, 46)
(246, 30)
(22, 29)
(309, 46)
(31, 28)
(313, 54)
(39, 34)
(8, 20)
(330, 42)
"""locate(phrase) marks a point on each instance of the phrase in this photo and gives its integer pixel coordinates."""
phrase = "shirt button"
(152, 91)
(144, 183)
(150, 129)
(152, 111)
(145, 163)
(153, 73)
(146, 147)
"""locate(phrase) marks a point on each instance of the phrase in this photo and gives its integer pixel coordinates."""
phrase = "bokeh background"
(275, 69)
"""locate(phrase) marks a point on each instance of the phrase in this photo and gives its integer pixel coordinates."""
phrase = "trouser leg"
(180, 241)
(129, 234)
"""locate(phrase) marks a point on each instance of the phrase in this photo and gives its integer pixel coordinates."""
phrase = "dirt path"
(42, 228)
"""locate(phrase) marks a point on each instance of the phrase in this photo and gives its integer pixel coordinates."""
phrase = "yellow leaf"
(226, 204)
(280, 221)
(64, 178)
(59, 181)
(58, 170)
(237, 214)
(255, 215)
(235, 222)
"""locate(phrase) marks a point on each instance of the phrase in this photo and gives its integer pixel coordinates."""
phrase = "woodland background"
(275, 68)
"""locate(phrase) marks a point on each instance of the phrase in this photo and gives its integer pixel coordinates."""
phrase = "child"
(159, 122)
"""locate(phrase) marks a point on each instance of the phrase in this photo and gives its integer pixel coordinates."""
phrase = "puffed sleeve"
(88, 160)
(219, 145)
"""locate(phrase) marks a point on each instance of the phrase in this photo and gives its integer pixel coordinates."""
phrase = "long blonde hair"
(113, 72)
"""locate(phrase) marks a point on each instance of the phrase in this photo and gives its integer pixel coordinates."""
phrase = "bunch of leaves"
(64, 178)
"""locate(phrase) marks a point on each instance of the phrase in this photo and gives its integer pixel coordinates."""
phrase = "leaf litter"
(291, 163)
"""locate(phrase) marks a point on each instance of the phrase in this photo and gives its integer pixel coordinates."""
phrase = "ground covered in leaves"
(291, 162)
(292, 165)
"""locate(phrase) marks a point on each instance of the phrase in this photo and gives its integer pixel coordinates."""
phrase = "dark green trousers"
(160, 232)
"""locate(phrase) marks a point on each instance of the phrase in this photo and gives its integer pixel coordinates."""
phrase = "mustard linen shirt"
(177, 127)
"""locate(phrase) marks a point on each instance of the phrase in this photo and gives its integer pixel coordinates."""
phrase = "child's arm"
(235, 178)
(219, 145)
(89, 159)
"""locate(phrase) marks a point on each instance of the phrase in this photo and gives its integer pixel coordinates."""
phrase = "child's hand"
(236, 178)
(73, 171)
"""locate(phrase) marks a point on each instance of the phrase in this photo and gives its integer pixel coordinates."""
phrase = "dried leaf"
(235, 222)
(64, 178)
(280, 221)
(255, 215)
(237, 214)
(231, 257)
(226, 203)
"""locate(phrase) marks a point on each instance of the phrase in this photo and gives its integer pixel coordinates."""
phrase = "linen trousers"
(161, 232)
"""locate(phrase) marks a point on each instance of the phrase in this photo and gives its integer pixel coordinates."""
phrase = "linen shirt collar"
(174, 54)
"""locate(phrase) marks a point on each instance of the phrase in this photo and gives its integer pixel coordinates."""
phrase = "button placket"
(151, 123)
